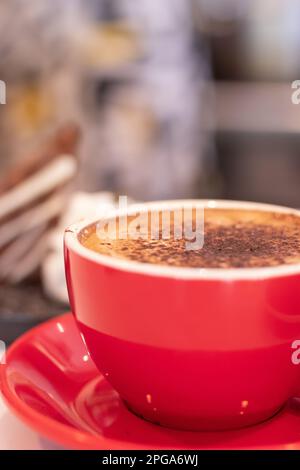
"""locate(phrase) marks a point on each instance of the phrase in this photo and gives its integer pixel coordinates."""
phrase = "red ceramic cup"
(189, 348)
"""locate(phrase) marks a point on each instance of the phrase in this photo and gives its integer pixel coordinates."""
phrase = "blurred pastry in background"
(109, 45)
(32, 198)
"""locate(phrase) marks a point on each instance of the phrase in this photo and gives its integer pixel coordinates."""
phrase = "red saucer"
(51, 384)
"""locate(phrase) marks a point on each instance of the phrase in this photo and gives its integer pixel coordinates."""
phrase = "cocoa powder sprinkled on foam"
(233, 239)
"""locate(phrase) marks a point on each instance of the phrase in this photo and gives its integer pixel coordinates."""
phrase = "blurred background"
(152, 99)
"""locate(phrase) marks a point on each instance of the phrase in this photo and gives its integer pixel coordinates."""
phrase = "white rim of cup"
(230, 274)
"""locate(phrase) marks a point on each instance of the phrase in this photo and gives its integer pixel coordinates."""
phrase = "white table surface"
(14, 435)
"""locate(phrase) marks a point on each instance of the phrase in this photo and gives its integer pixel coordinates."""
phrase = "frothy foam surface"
(233, 238)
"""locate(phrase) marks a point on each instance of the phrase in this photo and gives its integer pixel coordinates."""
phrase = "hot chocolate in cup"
(195, 334)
